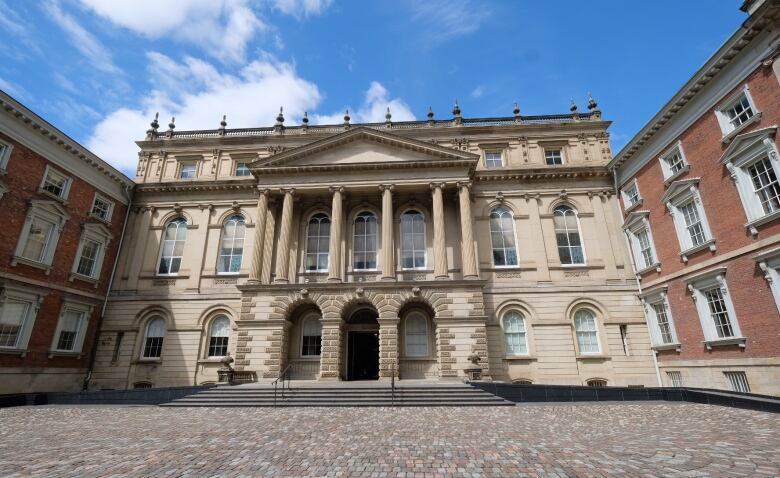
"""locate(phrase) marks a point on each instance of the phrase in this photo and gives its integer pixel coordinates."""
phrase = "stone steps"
(347, 396)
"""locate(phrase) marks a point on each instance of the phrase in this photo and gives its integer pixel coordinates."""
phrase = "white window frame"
(424, 318)
(318, 320)
(666, 169)
(34, 300)
(307, 250)
(514, 236)
(697, 285)
(162, 247)
(635, 223)
(649, 300)
(48, 211)
(524, 333)
(109, 212)
(594, 314)
(745, 151)
(235, 238)
(97, 233)
(66, 188)
(769, 263)
(680, 194)
(726, 127)
(401, 241)
(579, 233)
(376, 241)
(78, 342)
(143, 356)
(182, 164)
(211, 335)
(624, 193)
(500, 153)
(5, 155)
(675, 378)
(560, 153)
(246, 165)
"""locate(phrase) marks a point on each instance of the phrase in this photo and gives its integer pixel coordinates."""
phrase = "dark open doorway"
(363, 356)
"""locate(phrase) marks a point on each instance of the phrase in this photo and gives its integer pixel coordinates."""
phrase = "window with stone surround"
(553, 156)
(364, 242)
(502, 237)
(716, 311)
(102, 208)
(40, 234)
(5, 154)
(172, 250)
(684, 203)
(71, 328)
(242, 169)
(416, 334)
(596, 382)
(586, 330)
(55, 183)
(153, 339)
(659, 319)
(231, 249)
(769, 262)
(640, 238)
(412, 240)
(567, 235)
(311, 343)
(317, 243)
(736, 111)
(91, 251)
(630, 193)
(188, 170)
(673, 162)
(494, 159)
(18, 309)
(219, 334)
(515, 336)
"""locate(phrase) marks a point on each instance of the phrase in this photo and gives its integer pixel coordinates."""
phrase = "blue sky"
(100, 69)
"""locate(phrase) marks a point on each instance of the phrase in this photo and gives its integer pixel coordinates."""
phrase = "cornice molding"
(542, 173)
(192, 186)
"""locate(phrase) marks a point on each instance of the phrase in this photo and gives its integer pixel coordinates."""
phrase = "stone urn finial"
(226, 361)
(474, 358)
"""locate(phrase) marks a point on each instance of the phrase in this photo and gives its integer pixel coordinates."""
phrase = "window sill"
(8, 351)
(148, 361)
(31, 263)
(53, 196)
(106, 221)
(725, 342)
(652, 267)
(752, 226)
(64, 353)
(634, 206)
(730, 136)
(567, 267)
(673, 177)
(693, 250)
(92, 280)
(676, 346)
(598, 356)
(211, 361)
(519, 358)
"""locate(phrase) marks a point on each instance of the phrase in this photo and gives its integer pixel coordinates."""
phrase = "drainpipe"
(93, 353)
(638, 282)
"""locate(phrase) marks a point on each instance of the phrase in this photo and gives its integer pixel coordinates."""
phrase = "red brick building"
(63, 210)
(700, 188)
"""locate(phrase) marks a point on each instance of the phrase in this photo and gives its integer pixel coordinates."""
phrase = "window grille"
(738, 381)
(675, 379)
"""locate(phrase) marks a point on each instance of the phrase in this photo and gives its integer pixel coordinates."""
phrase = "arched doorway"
(362, 343)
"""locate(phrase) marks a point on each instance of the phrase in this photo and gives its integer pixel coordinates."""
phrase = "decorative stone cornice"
(193, 186)
(541, 173)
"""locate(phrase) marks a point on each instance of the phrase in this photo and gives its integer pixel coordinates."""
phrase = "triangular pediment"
(364, 147)
(679, 187)
(747, 145)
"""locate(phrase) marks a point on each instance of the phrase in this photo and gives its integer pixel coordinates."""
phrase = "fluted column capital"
(437, 185)
(290, 191)
(262, 190)
(336, 189)
(464, 184)
(386, 187)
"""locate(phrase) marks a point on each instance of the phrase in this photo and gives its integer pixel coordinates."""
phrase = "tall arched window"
(587, 332)
(416, 335)
(231, 249)
(173, 246)
(364, 241)
(412, 240)
(219, 333)
(567, 234)
(317, 243)
(514, 333)
(153, 339)
(502, 236)
(311, 345)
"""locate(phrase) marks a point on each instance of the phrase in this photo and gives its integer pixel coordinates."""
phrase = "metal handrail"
(392, 385)
(282, 375)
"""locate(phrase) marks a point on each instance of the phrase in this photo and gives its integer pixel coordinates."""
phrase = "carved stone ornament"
(474, 358)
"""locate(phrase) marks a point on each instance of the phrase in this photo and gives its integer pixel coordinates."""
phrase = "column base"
(389, 279)
(253, 281)
(334, 279)
(444, 277)
(474, 277)
(281, 281)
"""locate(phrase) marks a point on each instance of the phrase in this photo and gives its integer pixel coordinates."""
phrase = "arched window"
(596, 382)
(567, 234)
(364, 241)
(587, 333)
(515, 334)
(173, 246)
(219, 332)
(416, 335)
(153, 340)
(231, 249)
(412, 240)
(317, 243)
(502, 235)
(311, 345)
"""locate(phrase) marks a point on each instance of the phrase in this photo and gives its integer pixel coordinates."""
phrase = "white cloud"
(446, 19)
(14, 90)
(84, 41)
(197, 94)
(302, 8)
(372, 110)
(478, 92)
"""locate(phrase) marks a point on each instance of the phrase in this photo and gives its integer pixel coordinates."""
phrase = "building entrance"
(363, 356)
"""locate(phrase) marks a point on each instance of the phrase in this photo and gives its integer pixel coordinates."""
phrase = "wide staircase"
(342, 394)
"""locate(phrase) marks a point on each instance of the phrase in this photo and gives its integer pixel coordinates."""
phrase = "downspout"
(638, 282)
(93, 353)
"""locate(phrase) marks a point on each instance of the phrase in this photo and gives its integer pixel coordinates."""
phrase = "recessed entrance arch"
(362, 343)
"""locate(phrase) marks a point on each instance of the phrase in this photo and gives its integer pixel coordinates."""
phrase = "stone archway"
(361, 342)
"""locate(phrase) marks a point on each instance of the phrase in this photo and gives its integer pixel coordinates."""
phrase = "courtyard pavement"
(636, 439)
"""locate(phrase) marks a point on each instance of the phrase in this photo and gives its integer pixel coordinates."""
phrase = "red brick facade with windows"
(36, 367)
(695, 127)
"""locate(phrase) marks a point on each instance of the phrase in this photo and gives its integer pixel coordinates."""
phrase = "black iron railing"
(283, 375)
(392, 385)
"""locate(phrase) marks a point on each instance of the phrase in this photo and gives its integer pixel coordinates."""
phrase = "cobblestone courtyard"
(647, 439)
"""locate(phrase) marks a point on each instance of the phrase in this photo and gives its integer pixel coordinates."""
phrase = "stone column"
(468, 257)
(330, 355)
(388, 248)
(283, 248)
(336, 219)
(388, 348)
(257, 253)
(439, 245)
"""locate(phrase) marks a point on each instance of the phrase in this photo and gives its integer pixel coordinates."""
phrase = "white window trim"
(110, 213)
(679, 194)
(526, 327)
(401, 238)
(219, 246)
(3, 189)
(162, 247)
(427, 335)
(580, 354)
(728, 130)
(209, 336)
(584, 262)
(666, 170)
(144, 334)
(49, 211)
(707, 280)
(635, 223)
(188, 160)
(769, 263)
(78, 343)
(318, 318)
(5, 155)
(649, 299)
(306, 244)
(514, 234)
(627, 205)
(66, 189)
(500, 152)
(35, 300)
(100, 234)
(377, 248)
(744, 151)
(560, 149)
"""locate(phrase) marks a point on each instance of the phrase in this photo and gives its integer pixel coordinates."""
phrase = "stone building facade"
(348, 252)
(701, 201)
(62, 210)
